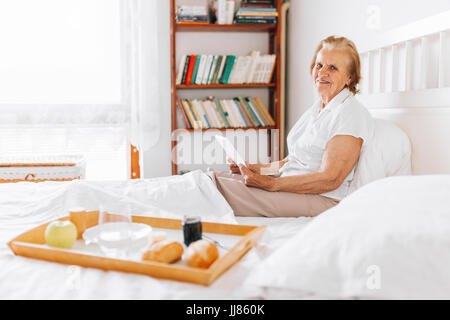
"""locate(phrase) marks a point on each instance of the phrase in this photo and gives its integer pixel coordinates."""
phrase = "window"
(61, 80)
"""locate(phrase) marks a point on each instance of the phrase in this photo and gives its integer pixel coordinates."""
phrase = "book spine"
(235, 69)
(216, 111)
(190, 69)
(216, 69)
(221, 12)
(229, 7)
(246, 112)
(190, 114)
(227, 69)
(237, 114)
(213, 115)
(202, 112)
(180, 69)
(209, 116)
(241, 111)
(228, 114)
(183, 113)
(239, 104)
(197, 114)
(232, 112)
(222, 66)
(258, 110)
(253, 64)
(222, 113)
(264, 69)
(222, 69)
(211, 69)
(208, 63)
(201, 69)
(272, 68)
(185, 70)
(255, 115)
(254, 21)
(263, 108)
(195, 71)
(257, 17)
(255, 112)
(232, 64)
(249, 112)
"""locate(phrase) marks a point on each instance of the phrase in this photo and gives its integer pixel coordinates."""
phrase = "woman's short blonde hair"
(355, 64)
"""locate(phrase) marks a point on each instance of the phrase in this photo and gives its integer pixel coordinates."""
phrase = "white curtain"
(79, 76)
(140, 33)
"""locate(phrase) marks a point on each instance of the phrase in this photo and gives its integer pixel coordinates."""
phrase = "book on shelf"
(192, 14)
(190, 68)
(226, 69)
(181, 69)
(212, 67)
(185, 69)
(257, 2)
(256, 15)
(225, 11)
(224, 115)
(186, 119)
(195, 70)
(201, 69)
(237, 112)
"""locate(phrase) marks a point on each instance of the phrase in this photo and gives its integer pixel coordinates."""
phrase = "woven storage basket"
(37, 168)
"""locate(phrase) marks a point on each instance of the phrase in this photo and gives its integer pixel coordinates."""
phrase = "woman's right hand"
(234, 168)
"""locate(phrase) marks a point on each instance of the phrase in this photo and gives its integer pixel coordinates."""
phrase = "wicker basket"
(38, 168)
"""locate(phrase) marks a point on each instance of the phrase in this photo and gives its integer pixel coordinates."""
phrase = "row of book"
(256, 15)
(187, 13)
(245, 3)
(226, 69)
(239, 112)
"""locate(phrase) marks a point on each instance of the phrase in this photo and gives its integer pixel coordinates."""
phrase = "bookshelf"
(274, 47)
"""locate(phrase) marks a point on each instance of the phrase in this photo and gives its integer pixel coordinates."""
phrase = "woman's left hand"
(253, 179)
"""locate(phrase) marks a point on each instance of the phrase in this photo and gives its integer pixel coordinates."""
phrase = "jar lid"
(191, 219)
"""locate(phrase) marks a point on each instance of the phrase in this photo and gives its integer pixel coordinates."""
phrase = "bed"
(389, 239)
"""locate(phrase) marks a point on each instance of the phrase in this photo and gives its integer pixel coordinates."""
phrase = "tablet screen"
(230, 150)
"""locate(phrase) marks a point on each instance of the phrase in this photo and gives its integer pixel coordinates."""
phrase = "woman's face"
(330, 73)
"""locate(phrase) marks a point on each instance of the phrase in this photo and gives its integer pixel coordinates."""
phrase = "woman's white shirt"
(307, 140)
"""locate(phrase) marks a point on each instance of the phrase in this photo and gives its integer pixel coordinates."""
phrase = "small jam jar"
(192, 229)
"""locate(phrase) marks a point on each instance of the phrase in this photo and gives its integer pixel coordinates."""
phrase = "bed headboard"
(406, 79)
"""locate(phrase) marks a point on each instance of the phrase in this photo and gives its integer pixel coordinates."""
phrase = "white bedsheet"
(26, 205)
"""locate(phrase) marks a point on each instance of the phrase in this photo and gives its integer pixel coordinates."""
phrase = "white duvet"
(389, 239)
(26, 205)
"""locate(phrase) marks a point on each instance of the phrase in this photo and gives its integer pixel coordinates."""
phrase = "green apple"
(61, 234)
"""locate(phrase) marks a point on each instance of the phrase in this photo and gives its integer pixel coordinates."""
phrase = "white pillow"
(387, 154)
(388, 240)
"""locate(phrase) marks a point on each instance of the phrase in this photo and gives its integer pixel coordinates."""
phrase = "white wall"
(312, 21)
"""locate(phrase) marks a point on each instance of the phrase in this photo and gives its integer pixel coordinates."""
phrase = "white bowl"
(109, 236)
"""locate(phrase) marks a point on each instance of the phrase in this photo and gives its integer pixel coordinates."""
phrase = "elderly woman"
(324, 146)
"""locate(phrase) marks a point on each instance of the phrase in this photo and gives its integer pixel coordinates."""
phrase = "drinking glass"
(115, 231)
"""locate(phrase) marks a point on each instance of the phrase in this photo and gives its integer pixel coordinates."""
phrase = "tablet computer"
(230, 150)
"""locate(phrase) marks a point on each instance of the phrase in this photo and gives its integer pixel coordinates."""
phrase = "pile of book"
(189, 14)
(226, 69)
(256, 15)
(257, 3)
(239, 112)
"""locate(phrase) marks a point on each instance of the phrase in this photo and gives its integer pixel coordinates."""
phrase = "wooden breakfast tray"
(32, 244)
